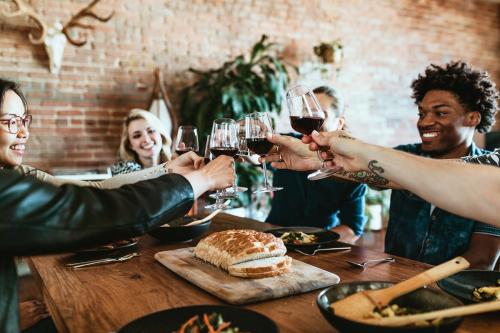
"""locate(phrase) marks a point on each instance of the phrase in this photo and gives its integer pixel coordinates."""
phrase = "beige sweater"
(113, 182)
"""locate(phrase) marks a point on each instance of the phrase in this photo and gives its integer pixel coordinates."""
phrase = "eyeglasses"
(14, 123)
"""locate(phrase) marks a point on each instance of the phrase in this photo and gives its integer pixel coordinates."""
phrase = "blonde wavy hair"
(126, 153)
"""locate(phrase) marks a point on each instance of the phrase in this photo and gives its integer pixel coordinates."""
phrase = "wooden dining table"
(106, 297)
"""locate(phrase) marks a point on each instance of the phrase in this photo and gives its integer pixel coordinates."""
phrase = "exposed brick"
(78, 113)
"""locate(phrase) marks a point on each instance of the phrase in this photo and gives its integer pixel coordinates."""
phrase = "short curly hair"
(474, 89)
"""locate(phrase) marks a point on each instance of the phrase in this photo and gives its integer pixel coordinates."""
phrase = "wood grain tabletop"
(105, 298)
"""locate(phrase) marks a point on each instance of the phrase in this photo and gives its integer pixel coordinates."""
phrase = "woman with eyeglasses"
(14, 124)
(15, 121)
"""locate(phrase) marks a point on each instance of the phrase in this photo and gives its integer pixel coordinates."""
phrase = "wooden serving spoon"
(446, 313)
(359, 305)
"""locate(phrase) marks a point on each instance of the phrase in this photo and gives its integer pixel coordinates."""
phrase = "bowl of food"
(202, 318)
(473, 286)
(304, 237)
(420, 301)
(178, 230)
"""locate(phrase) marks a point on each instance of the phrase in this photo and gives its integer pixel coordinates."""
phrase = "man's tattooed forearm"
(369, 178)
(375, 169)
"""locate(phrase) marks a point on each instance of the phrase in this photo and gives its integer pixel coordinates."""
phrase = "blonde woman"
(145, 143)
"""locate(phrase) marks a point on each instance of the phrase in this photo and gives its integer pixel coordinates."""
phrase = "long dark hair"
(6, 85)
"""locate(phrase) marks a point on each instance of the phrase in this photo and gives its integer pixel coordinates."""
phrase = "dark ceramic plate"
(462, 284)
(126, 245)
(168, 321)
(424, 299)
(178, 232)
(324, 237)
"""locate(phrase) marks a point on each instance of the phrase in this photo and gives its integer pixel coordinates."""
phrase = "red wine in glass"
(259, 146)
(306, 125)
(227, 151)
(183, 151)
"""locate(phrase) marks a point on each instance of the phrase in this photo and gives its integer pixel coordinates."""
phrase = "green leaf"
(237, 107)
(236, 88)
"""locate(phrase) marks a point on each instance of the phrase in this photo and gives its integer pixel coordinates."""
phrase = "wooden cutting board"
(301, 278)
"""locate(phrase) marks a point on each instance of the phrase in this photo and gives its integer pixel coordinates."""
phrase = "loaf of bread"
(229, 249)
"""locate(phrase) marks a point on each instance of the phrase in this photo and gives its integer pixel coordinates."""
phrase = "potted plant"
(376, 204)
(246, 84)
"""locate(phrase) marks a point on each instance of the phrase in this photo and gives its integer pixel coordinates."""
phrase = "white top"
(113, 182)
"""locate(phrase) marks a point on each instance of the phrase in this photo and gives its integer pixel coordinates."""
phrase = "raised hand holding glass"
(224, 141)
(306, 115)
(257, 126)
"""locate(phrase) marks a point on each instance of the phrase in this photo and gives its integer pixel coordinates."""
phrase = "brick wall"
(387, 43)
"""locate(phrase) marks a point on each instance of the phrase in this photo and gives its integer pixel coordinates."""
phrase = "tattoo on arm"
(375, 169)
(371, 178)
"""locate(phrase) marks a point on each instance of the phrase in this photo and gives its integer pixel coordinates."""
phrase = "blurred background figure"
(326, 203)
(144, 143)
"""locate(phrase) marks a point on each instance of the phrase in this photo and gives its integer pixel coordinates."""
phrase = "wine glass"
(187, 140)
(257, 126)
(207, 155)
(224, 141)
(306, 115)
(243, 149)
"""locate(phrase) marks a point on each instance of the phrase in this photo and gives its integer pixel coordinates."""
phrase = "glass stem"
(266, 181)
(234, 184)
(321, 159)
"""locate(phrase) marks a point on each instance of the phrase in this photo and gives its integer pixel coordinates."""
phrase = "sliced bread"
(231, 247)
(261, 267)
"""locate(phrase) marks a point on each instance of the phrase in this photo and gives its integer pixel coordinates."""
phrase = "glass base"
(230, 192)
(268, 189)
(216, 206)
(237, 189)
(223, 195)
(320, 174)
(219, 204)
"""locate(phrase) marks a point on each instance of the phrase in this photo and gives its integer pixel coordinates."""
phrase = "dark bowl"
(123, 246)
(325, 237)
(167, 321)
(424, 299)
(177, 232)
(462, 284)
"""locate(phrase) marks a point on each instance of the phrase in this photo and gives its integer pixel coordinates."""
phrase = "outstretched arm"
(183, 165)
(39, 218)
(472, 191)
(296, 155)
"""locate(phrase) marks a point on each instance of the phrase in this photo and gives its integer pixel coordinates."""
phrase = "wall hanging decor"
(161, 107)
(55, 35)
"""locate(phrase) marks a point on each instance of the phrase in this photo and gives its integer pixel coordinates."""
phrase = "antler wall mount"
(55, 36)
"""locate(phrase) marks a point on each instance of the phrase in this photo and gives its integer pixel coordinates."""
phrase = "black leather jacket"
(38, 218)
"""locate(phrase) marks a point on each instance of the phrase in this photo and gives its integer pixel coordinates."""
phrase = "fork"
(364, 264)
(323, 249)
(105, 261)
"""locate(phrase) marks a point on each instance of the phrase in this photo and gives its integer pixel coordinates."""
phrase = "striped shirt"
(488, 159)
